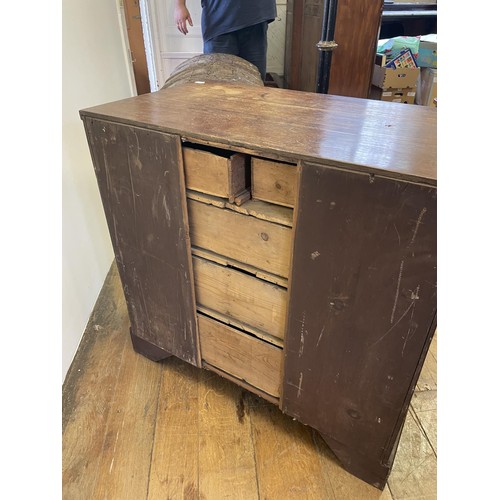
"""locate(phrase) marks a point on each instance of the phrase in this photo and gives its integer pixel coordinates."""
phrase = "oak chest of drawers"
(284, 240)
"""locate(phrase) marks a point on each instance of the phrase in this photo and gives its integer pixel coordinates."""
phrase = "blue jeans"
(248, 43)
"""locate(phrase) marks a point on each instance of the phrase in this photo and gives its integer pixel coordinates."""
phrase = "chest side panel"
(362, 305)
(141, 182)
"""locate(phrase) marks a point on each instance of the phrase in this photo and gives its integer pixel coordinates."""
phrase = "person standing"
(237, 27)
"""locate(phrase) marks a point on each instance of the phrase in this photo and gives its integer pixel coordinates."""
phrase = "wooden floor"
(135, 429)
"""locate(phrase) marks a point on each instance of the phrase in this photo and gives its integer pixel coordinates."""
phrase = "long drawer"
(244, 357)
(247, 302)
(259, 243)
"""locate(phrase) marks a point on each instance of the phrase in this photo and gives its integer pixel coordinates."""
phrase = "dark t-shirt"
(223, 16)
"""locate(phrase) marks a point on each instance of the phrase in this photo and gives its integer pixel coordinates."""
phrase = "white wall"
(95, 70)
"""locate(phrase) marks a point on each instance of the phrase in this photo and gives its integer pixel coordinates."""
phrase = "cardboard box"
(427, 87)
(388, 78)
(402, 95)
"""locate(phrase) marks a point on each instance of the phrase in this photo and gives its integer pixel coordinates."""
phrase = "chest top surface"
(397, 140)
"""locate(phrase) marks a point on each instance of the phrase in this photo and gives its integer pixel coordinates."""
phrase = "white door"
(166, 47)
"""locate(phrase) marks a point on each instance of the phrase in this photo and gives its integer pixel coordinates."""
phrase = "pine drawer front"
(243, 299)
(214, 174)
(262, 244)
(274, 182)
(242, 356)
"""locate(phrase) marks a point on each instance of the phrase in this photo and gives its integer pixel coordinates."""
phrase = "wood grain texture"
(424, 406)
(110, 412)
(226, 261)
(361, 310)
(213, 174)
(274, 182)
(360, 134)
(215, 67)
(344, 485)
(414, 474)
(428, 377)
(141, 182)
(226, 455)
(356, 32)
(247, 299)
(89, 388)
(241, 355)
(252, 241)
(278, 439)
(287, 455)
(175, 455)
(130, 426)
(255, 208)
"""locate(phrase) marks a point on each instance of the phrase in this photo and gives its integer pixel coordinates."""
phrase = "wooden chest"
(284, 240)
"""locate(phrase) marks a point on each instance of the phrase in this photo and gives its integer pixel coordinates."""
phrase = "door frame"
(151, 44)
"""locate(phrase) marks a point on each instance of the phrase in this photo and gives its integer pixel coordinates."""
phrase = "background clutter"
(405, 70)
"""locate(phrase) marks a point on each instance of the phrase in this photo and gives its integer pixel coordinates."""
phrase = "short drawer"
(214, 174)
(246, 301)
(242, 356)
(274, 182)
(259, 243)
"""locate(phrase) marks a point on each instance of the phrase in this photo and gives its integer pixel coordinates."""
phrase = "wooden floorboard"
(135, 429)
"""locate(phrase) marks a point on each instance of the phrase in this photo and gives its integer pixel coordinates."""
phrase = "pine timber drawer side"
(259, 243)
(214, 174)
(273, 181)
(245, 301)
(244, 357)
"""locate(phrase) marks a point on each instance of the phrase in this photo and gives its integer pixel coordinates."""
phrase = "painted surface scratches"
(397, 291)
(417, 225)
(303, 331)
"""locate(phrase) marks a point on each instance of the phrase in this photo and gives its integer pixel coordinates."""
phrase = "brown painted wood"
(361, 311)
(140, 178)
(148, 349)
(360, 134)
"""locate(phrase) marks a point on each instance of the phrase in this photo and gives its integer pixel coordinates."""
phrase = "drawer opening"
(254, 208)
(275, 342)
(225, 153)
(217, 172)
(226, 261)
